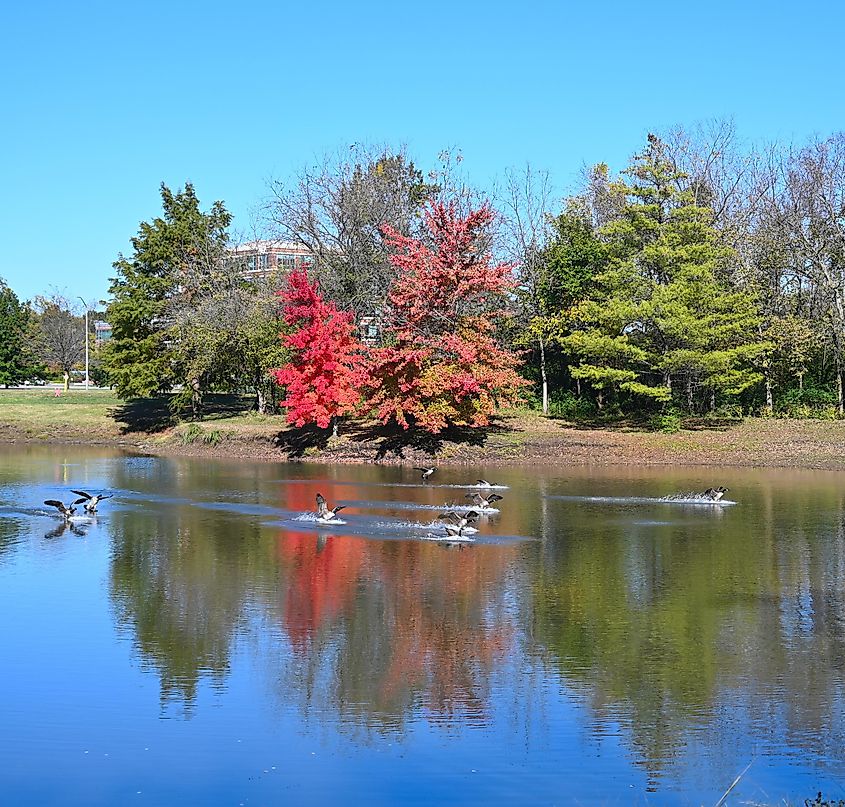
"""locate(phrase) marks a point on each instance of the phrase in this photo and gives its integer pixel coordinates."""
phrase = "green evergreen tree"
(16, 338)
(660, 321)
(140, 358)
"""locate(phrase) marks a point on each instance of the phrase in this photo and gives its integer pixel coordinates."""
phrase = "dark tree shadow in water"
(155, 415)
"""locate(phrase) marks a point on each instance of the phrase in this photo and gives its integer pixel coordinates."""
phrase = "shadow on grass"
(387, 440)
(391, 439)
(629, 424)
(298, 441)
(153, 415)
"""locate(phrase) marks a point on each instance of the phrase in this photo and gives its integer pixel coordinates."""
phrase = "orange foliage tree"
(441, 364)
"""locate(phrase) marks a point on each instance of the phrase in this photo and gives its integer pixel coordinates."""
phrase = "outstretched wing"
(494, 497)
(338, 509)
(424, 470)
(322, 508)
(58, 505)
(78, 501)
(471, 516)
(82, 493)
(106, 496)
(449, 515)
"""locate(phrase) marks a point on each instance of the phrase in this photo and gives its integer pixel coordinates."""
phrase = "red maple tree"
(320, 378)
(442, 364)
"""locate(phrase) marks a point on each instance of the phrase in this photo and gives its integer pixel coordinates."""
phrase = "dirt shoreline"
(512, 440)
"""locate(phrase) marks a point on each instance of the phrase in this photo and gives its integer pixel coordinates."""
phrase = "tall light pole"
(86, 343)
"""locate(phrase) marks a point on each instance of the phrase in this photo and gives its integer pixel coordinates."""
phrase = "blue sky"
(103, 101)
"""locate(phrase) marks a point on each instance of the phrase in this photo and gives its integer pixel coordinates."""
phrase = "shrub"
(810, 402)
(668, 421)
(570, 407)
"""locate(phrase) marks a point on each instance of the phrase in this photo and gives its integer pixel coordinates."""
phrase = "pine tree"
(17, 361)
(140, 358)
(662, 322)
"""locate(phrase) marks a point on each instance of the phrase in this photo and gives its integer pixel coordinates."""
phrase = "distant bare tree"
(61, 330)
(812, 218)
(337, 209)
(524, 202)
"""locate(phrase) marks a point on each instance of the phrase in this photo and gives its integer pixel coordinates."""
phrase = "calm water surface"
(200, 640)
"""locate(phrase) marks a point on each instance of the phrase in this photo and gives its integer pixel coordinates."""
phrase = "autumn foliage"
(442, 364)
(320, 377)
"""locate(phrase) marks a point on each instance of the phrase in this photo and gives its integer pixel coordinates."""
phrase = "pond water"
(203, 639)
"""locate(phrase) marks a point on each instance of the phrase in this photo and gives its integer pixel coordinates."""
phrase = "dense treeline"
(703, 278)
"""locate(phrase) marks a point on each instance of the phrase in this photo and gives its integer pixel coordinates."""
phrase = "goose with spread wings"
(91, 500)
(456, 523)
(324, 512)
(67, 510)
(484, 502)
(426, 472)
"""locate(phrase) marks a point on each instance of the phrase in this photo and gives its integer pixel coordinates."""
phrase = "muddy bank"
(510, 440)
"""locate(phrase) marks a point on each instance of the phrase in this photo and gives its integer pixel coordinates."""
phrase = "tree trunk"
(196, 399)
(578, 387)
(261, 399)
(840, 404)
(600, 399)
(801, 381)
(689, 394)
(334, 424)
(770, 403)
(543, 376)
(712, 400)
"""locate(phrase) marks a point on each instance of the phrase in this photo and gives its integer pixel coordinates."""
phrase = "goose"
(91, 502)
(484, 502)
(66, 510)
(323, 510)
(714, 493)
(454, 531)
(426, 472)
(483, 483)
(458, 520)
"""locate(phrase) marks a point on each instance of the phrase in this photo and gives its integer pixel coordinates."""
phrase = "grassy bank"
(231, 429)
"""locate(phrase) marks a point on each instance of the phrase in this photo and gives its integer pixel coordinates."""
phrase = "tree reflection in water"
(685, 630)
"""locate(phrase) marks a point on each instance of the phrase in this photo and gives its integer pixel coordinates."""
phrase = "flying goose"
(323, 510)
(484, 502)
(66, 510)
(715, 493)
(426, 472)
(483, 483)
(91, 502)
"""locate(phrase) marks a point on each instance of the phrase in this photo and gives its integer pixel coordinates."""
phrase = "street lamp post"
(86, 343)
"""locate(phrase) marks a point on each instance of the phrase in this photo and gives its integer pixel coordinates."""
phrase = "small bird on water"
(323, 510)
(91, 501)
(426, 472)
